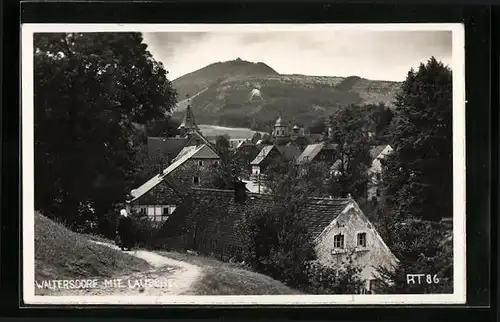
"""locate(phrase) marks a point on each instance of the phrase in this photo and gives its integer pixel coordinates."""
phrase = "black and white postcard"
(243, 164)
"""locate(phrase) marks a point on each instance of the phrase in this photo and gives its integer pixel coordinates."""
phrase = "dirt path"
(168, 277)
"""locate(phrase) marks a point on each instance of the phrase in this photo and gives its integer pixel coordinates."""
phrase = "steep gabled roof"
(264, 152)
(309, 153)
(320, 212)
(289, 152)
(206, 153)
(312, 150)
(153, 182)
(198, 135)
(376, 150)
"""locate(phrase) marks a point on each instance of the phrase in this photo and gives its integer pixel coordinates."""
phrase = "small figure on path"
(125, 231)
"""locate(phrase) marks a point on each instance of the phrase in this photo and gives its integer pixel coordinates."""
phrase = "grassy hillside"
(63, 254)
(223, 100)
(221, 278)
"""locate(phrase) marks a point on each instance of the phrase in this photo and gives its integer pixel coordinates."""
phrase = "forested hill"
(220, 94)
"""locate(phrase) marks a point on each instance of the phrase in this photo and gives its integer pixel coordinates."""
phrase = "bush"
(343, 279)
(146, 232)
(277, 244)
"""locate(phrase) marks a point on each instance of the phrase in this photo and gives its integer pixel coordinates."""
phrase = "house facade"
(351, 235)
(266, 156)
(158, 197)
(375, 173)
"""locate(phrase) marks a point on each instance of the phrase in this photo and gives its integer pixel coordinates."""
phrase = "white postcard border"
(459, 192)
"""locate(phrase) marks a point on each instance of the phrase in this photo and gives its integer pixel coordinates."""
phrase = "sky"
(377, 55)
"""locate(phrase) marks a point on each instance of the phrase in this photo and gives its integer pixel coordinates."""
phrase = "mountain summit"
(192, 83)
(239, 93)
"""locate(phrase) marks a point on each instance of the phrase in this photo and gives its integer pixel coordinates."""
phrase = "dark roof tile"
(320, 212)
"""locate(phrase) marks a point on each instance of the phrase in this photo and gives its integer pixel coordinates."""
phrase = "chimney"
(240, 193)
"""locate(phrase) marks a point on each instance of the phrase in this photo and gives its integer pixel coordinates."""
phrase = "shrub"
(146, 231)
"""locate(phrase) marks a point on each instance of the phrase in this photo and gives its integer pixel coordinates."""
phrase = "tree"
(266, 139)
(93, 94)
(163, 127)
(282, 173)
(222, 144)
(277, 241)
(381, 116)
(256, 137)
(423, 247)
(418, 175)
(353, 152)
(318, 127)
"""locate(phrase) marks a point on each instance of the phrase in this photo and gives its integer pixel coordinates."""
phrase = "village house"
(267, 155)
(318, 152)
(190, 166)
(282, 148)
(207, 221)
(244, 154)
(164, 149)
(377, 153)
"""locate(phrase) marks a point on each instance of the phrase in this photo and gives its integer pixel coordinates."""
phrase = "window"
(165, 211)
(338, 241)
(142, 211)
(200, 163)
(196, 180)
(361, 240)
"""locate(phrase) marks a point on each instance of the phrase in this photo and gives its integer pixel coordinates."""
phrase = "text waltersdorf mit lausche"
(107, 283)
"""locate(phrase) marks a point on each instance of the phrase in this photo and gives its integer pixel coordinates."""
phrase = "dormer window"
(338, 241)
(361, 240)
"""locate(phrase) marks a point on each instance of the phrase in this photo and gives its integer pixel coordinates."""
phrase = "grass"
(98, 238)
(63, 254)
(220, 278)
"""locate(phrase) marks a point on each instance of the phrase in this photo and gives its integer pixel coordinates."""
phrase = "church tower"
(280, 132)
(188, 124)
(280, 128)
